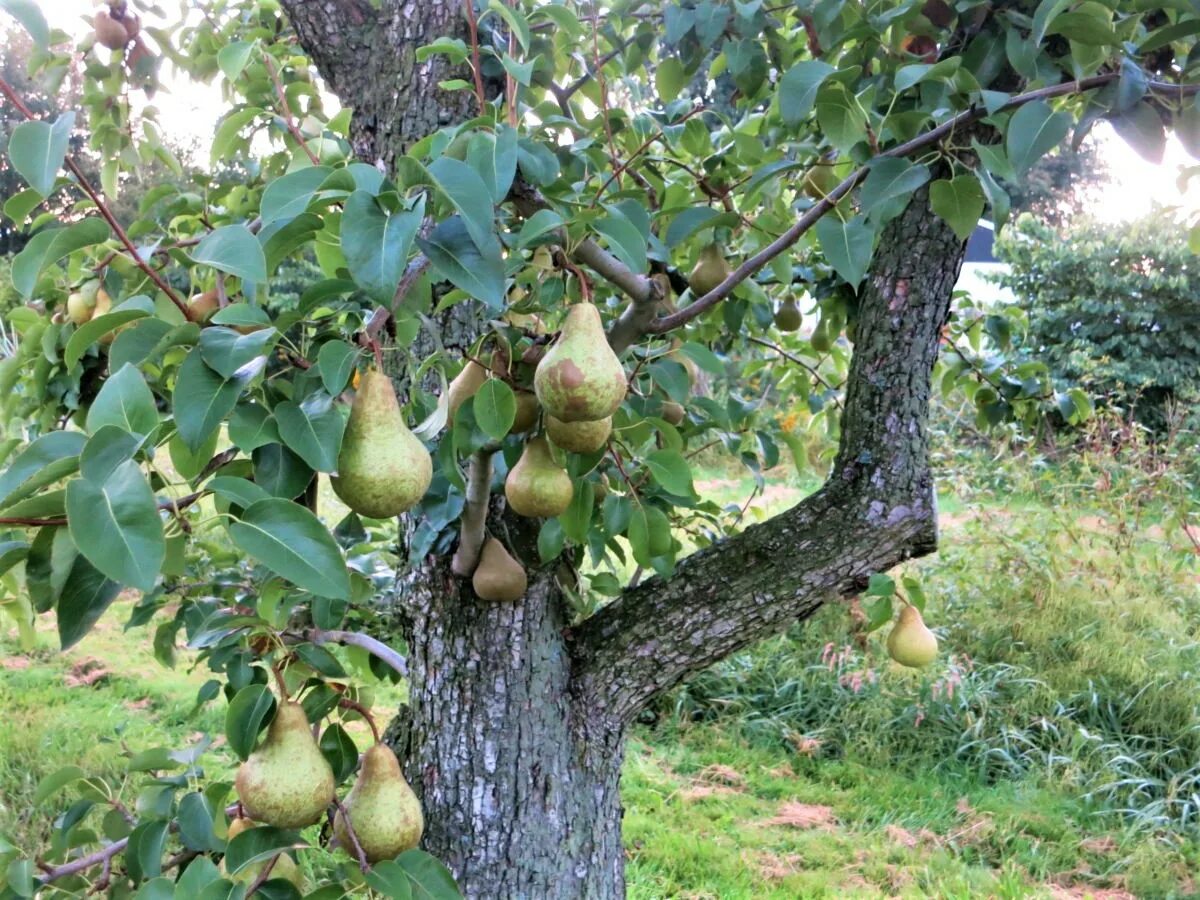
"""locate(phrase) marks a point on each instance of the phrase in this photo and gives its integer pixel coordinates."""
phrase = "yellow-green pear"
(383, 469)
(788, 317)
(79, 310)
(464, 385)
(911, 643)
(537, 486)
(285, 867)
(579, 437)
(286, 782)
(820, 339)
(382, 808)
(498, 577)
(710, 270)
(528, 410)
(673, 412)
(580, 379)
(202, 306)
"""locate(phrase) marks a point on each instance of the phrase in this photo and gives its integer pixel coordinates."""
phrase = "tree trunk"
(514, 733)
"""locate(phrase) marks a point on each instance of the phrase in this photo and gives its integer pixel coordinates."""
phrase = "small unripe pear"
(537, 486)
(528, 411)
(820, 338)
(382, 808)
(673, 412)
(580, 379)
(710, 270)
(109, 32)
(579, 437)
(498, 577)
(911, 643)
(788, 317)
(286, 782)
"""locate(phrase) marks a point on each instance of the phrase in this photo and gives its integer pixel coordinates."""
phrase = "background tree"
(511, 161)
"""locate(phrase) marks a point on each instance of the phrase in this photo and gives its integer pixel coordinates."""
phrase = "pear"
(109, 32)
(580, 379)
(79, 310)
(911, 643)
(537, 485)
(528, 411)
(201, 307)
(673, 412)
(285, 867)
(498, 576)
(579, 437)
(710, 270)
(286, 782)
(383, 809)
(383, 469)
(820, 337)
(787, 317)
(464, 385)
(820, 180)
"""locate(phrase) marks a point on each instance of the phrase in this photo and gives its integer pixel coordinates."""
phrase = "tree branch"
(474, 518)
(876, 510)
(376, 648)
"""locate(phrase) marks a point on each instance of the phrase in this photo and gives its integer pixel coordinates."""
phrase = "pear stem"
(283, 691)
(347, 703)
(358, 850)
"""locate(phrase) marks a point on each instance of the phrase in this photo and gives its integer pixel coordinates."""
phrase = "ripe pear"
(383, 469)
(464, 385)
(710, 270)
(580, 379)
(673, 412)
(579, 437)
(202, 306)
(109, 32)
(498, 576)
(787, 317)
(286, 782)
(911, 643)
(382, 808)
(285, 867)
(537, 486)
(79, 310)
(528, 411)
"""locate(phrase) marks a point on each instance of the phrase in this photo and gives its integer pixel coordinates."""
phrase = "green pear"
(820, 339)
(528, 410)
(710, 270)
(382, 808)
(383, 469)
(285, 867)
(580, 379)
(787, 317)
(464, 386)
(537, 486)
(911, 643)
(673, 412)
(579, 437)
(498, 576)
(286, 782)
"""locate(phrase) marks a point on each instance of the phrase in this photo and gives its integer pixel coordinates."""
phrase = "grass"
(1054, 750)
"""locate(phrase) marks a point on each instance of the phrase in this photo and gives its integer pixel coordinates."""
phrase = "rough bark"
(514, 733)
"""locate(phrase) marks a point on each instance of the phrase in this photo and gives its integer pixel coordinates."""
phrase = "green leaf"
(429, 879)
(258, 845)
(11, 553)
(959, 201)
(1033, 131)
(537, 226)
(234, 355)
(280, 471)
(840, 117)
(890, 178)
(48, 247)
(116, 525)
(195, 818)
(143, 853)
(241, 491)
(232, 58)
(289, 195)
(47, 459)
(55, 782)
(336, 361)
(390, 880)
(291, 542)
(627, 243)
(105, 450)
(249, 712)
(339, 751)
(313, 429)
(27, 13)
(494, 158)
(577, 520)
(84, 597)
(495, 408)
(1143, 130)
(670, 77)
(233, 249)
(997, 198)
(471, 197)
(89, 332)
(694, 218)
(798, 89)
(252, 426)
(671, 470)
(457, 259)
(376, 244)
(201, 401)
(37, 149)
(124, 401)
(847, 246)
(550, 540)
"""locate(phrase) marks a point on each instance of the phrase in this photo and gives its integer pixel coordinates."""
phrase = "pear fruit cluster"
(911, 643)
(383, 468)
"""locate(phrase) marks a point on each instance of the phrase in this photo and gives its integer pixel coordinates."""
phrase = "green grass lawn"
(778, 775)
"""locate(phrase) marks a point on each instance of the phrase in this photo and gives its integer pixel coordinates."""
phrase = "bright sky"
(187, 109)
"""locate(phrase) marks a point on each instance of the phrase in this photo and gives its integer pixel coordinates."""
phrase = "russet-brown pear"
(498, 577)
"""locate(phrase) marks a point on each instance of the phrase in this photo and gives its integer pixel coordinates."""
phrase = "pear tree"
(564, 250)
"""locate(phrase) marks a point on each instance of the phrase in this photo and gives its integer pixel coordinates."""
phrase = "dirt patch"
(704, 791)
(86, 673)
(773, 867)
(1087, 892)
(719, 774)
(804, 815)
(1100, 845)
(805, 746)
(139, 705)
(905, 838)
(15, 662)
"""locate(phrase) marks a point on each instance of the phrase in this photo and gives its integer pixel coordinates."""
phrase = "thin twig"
(793, 358)
(288, 119)
(476, 65)
(174, 506)
(358, 850)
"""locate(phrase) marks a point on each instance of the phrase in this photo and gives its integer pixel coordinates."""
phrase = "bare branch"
(376, 648)
(474, 518)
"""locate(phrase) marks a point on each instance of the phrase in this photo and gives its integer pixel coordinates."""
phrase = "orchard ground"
(1049, 753)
